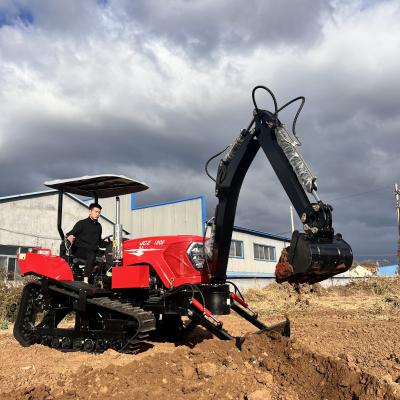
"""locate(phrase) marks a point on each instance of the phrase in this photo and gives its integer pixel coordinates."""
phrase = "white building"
(30, 220)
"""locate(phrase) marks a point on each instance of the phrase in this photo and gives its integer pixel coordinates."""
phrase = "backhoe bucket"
(308, 260)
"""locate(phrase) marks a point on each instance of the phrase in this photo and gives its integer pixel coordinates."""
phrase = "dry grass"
(9, 298)
(10, 295)
(380, 286)
(369, 297)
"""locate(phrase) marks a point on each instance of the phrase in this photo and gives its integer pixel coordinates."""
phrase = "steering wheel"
(108, 238)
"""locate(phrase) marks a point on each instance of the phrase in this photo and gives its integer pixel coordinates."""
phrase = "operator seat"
(77, 264)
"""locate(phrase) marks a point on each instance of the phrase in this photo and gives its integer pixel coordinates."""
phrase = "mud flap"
(310, 260)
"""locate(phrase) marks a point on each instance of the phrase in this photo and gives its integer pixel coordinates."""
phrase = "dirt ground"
(345, 344)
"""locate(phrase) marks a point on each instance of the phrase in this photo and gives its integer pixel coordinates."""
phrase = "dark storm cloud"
(153, 89)
(70, 17)
(203, 27)
(200, 28)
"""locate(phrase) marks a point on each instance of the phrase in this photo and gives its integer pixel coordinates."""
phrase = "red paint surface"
(50, 266)
(135, 276)
(167, 255)
(239, 300)
(201, 308)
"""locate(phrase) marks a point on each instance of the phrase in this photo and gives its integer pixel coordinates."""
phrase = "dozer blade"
(281, 328)
(201, 316)
(242, 308)
(308, 260)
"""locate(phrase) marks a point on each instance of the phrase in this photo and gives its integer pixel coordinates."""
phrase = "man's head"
(94, 211)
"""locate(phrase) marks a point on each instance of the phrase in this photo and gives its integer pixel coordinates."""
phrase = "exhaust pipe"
(117, 239)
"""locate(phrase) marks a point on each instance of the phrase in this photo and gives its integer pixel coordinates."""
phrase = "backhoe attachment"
(312, 256)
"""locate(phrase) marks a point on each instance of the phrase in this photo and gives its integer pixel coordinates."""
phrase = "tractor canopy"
(98, 186)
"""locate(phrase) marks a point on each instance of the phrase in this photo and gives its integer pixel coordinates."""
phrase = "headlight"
(196, 255)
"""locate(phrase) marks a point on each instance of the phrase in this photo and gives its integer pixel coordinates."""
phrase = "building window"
(236, 250)
(9, 268)
(264, 253)
(3, 267)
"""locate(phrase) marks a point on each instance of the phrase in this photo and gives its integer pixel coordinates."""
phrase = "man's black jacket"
(87, 233)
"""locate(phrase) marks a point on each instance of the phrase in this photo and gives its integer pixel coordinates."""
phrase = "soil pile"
(345, 345)
(267, 367)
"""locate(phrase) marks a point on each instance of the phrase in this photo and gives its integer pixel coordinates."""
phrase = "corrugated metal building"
(30, 220)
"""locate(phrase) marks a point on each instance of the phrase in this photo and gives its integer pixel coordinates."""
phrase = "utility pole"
(397, 196)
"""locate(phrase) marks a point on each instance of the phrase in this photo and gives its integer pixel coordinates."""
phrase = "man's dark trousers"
(90, 257)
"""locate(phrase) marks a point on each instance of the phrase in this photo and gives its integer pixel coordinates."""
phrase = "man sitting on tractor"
(86, 238)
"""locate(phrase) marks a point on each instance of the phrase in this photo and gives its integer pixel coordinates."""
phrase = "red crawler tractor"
(145, 286)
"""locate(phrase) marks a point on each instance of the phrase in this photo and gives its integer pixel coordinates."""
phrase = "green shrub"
(3, 324)
(9, 299)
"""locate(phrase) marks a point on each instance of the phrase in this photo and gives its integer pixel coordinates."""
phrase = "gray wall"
(108, 210)
(182, 218)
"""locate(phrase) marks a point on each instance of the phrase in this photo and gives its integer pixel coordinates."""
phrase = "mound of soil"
(345, 345)
(267, 367)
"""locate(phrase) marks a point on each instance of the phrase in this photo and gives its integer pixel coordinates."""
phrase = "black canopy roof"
(98, 185)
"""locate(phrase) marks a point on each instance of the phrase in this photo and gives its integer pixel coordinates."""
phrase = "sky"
(152, 89)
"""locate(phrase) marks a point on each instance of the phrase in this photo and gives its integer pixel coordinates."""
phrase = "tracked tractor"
(145, 286)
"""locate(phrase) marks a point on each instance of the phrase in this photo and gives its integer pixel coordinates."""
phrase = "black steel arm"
(265, 133)
(231, 172)
(315, 254)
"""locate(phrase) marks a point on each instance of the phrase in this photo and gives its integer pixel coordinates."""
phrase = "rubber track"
(146, 320)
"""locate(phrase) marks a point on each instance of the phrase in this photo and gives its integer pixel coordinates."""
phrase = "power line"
(28, 234)
(362, 193)
(374, 255)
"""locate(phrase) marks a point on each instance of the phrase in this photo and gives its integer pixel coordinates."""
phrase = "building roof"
(43, 193)
(255, 232)
(260, 233)
(24, 196)
(166, 203)
(249, 275)
(388, 270)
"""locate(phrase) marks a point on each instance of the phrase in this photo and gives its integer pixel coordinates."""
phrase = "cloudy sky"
(151, 89)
